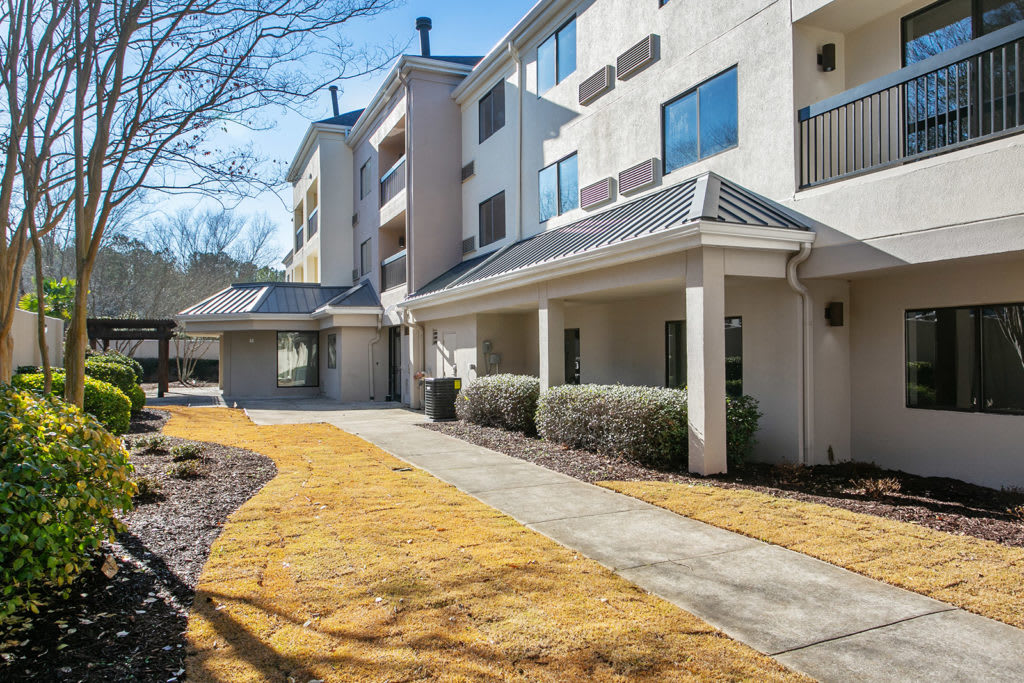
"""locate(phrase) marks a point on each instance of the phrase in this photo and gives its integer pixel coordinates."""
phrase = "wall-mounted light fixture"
(834, 314)
(827, 57)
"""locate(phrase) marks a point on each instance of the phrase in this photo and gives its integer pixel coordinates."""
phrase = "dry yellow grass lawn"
(344, 568)
(980, 576)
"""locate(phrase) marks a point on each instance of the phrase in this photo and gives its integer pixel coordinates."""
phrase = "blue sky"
(461, 27)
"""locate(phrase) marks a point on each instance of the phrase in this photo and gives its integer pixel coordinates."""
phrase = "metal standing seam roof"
(708, 197)
(280, 298)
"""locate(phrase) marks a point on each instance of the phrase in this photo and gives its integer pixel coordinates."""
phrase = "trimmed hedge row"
(60, 495)
(645, 424)
(121, 375)
(505, 401)
(105, 402)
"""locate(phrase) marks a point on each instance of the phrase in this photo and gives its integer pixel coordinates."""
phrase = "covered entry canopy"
(103, 330)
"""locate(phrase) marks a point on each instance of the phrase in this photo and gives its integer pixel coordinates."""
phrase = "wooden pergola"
(103, 330)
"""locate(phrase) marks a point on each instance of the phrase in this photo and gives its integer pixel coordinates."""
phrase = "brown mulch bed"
(131, 627)
(939, 503)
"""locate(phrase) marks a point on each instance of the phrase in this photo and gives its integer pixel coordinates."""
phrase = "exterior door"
(572, 356)
(395, 364)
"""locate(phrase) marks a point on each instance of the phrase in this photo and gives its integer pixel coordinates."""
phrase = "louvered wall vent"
(638, 57)
(596, 85)
(355, 275)
(355, 219)
(638, 177)
(596, 194)
(468, 245)
(468, 171)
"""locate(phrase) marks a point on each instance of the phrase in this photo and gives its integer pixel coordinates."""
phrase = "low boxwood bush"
(105, 402)
(62, 479)
(645, 424)
(505, 401)
(120, 375)
(187, 469)
(119, 359)
(186, 451)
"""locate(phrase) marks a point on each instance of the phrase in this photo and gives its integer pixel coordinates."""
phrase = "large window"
(559, 188)
(492, 219)
(675, 355)
(947, 24)
(556, 57)
(492, 111)
(365, 258)
(968, 358)
(701, 122)
(298, 359)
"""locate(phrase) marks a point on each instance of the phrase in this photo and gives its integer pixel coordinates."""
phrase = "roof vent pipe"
(423, 25)
(334, 98)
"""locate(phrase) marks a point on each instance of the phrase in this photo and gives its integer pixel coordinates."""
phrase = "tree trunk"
(6, 355)
(77, 339)
(44, 348)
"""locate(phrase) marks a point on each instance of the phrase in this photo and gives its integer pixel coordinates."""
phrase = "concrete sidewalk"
(827, 622)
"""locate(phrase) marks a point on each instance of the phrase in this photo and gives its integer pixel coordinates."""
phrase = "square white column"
(705, 359)
(415, 341)
(551, 337)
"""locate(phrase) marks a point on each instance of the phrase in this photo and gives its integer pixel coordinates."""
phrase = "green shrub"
(151, 444)
(505, 401)
(187, 451)
(121, 376)
(62, 479)
(187, 469)
(120, 359)
(645, 424)
(105, 402)
(147, 488)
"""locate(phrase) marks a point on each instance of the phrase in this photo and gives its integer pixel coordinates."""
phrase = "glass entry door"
(395, 364)
(572, 356)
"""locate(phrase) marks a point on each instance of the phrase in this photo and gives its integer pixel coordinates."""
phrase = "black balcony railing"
(392, 271)
(393, 182)
(313, 223)
(961, 97)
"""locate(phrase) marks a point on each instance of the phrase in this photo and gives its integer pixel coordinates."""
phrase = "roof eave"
(306, 147)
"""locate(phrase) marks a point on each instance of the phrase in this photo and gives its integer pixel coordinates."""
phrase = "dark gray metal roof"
(468, 61)
(347, 119)
(708, 197)
(277, 298)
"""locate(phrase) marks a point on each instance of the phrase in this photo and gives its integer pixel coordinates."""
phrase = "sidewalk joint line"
(862, 631)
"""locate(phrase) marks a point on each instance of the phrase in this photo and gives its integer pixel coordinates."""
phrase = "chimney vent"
(423, 25)
(334, 99)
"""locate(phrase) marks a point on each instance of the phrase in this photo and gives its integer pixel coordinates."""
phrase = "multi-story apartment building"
(819, 203)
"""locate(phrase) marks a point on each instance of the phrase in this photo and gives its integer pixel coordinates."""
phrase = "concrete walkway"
(829, 623)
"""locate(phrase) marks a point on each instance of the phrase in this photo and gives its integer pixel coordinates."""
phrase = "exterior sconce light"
(827, 57)
(834, 314)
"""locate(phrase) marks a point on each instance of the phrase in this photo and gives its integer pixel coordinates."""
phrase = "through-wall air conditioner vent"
(638, 177)
(355, 275)
(468, 171)
(468, 245)
(355, 219)
(638, 57)
(596, 194)
(596, 85)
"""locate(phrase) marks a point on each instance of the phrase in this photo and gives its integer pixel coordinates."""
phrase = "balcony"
(962, 97)
(392, 271)
(313, 223)
(392, 182)
(298, 239)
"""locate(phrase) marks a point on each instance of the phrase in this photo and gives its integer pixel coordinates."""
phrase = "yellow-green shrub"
(118, 374)
(104, 401)
(62, 479)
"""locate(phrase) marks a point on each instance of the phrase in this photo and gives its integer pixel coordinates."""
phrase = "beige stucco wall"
(26, 339)
(249, 367)
(979, 448)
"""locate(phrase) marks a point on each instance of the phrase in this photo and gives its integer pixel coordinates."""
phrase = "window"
(364, 180)
(298, 361)
(675, 355)
(492, 219)
(968, 358)
(332, 351)
(559, 188)
(492, 111)
(701, 122)
(556, 57)
(950, 23)
(365, 257)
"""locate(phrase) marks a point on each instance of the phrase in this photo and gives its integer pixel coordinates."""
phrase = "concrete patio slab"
(775, 599)
(948, 646)
(558, 501)
(635, 538)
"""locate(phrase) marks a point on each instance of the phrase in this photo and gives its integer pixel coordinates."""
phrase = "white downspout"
(521, 86)
(805, 388)
(369, 348)
(413, 327)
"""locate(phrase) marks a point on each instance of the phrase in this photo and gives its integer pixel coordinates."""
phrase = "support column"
(415, 341)
(705, 359)
(162, 370)
(551, 337)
